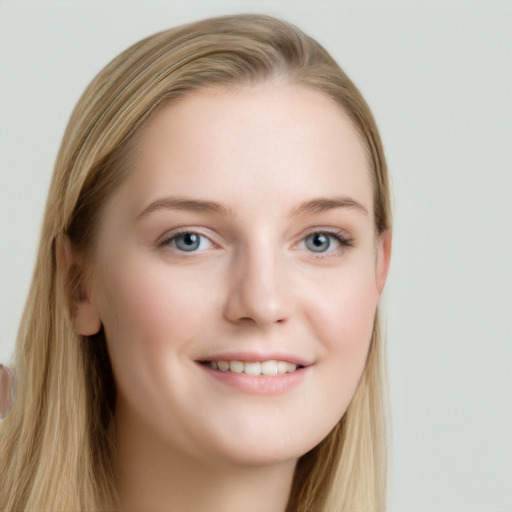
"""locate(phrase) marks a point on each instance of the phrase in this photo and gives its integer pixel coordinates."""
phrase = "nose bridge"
(258, 290)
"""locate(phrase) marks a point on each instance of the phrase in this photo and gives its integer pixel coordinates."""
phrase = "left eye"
(323, 242)
(188, 242)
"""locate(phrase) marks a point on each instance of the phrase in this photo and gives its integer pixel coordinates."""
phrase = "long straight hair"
(57, 449)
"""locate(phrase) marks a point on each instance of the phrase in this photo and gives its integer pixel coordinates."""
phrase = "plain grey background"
(438, 77)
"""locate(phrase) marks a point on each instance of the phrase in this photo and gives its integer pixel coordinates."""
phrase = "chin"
(257, 450)
(260, 458)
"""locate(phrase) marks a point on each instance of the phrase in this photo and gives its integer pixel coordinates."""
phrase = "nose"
(259, 293)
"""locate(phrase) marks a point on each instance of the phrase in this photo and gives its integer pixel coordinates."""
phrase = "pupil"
(319, 242)
(189, 238)
(188, 242)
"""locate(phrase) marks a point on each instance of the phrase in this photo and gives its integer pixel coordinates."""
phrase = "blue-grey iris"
(187, 242)
(318, 242)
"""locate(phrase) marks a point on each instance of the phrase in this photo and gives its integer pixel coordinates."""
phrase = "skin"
(253, 286)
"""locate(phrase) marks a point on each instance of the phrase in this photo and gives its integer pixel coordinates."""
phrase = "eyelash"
(339, 236)
(167, 241)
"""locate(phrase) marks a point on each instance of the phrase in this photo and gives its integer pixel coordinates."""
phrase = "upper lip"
(256, 357)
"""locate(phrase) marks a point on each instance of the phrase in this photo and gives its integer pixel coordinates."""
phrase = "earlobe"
(383, 259)
(84, 314)
(86, 321)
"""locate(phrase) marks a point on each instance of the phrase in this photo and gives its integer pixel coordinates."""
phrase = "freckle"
(6, 390)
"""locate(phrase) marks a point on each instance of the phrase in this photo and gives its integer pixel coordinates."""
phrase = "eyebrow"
(322, 204)
(180, 203)
(317, 205)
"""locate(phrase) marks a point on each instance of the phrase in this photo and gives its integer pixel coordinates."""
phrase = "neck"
(155, 477)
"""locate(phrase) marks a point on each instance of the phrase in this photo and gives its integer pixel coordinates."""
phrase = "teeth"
(281, 367)
(268, 368)
(223, 365)
(290, 367)
(252, 368)
(236, 366)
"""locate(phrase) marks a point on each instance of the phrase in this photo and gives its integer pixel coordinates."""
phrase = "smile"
(266, 368)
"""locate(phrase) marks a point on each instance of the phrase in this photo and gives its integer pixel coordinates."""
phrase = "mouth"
(256, 368)
(257, 374)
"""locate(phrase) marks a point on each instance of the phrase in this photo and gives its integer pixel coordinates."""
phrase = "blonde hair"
(56, 446)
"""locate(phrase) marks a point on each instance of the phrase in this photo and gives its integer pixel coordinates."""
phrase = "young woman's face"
(242, 238)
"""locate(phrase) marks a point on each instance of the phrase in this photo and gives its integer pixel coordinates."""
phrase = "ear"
(383, 259)
(86, 319)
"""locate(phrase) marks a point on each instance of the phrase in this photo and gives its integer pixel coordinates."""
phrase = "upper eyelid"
(328, 230)
(203, 231)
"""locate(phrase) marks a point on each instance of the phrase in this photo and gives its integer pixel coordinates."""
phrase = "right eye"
(187, 241)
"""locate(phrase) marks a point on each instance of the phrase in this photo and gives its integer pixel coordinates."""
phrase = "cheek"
(341, 312)
(344, 320)
(344, 308)
(149, 314)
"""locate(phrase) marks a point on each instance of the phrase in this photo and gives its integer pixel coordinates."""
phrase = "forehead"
(251, 143)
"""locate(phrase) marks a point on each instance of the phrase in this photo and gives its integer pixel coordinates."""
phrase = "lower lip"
(259, 384)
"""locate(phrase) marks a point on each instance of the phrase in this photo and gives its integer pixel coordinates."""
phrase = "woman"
(202, 328)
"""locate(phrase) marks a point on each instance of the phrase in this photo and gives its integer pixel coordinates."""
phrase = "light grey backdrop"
(438, 76)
